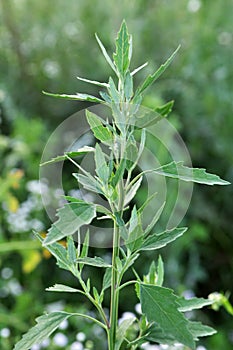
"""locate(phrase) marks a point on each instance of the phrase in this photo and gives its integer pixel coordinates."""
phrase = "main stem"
(114, 290)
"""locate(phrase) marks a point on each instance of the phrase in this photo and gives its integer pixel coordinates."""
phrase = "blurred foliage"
(44, 46)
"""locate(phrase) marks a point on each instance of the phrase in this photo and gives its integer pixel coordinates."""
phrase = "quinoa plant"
(116, 155)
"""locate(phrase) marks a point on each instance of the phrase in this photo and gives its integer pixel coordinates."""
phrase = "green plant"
(163, 320)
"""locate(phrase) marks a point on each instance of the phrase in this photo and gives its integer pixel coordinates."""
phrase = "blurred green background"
(44, 46)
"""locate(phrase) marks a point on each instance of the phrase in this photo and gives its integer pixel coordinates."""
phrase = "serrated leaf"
(63, 288)
(58, 251)
(88, 182)
(160, 306)
(152, 77)
(121, 57)
(132, 191)
(78, 97)
(104, 52)
(72, 154)
(46, 325)
(122, 330)
(199, 330)
(71, 217)
(100, 131)
(101, 166)
(157, 241)
(177, 170)
(193, 303)
(94, 82)
(96, 261)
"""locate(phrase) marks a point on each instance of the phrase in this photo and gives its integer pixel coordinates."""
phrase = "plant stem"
(114, 289)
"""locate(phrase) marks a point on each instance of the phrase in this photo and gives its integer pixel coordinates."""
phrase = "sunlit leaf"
(101, 169)
(72, 154)
(100, 131)
(63, 288)
(46, 325)
(78, 97)
(96, 261)
(71, 217)
(132, 191)
(157, 241)
(177, 170)
(94, 82)
(121, 57)
(108, 59)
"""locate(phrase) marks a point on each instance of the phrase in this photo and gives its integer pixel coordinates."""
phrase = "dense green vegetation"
(43, 46)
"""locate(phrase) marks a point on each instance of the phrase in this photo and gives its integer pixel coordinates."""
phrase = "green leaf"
(132, 191)
(199, 330)
(105, 96)
(135, 232)
(94, 82)
(113, 92)
(107, 279)
(119, 172)
(160, 272)
(71, 154)
(154, 220)
(157, 241)
(88, 182)
(71, 250)
(101, 132)
(128, 86)
(85, 247)
(63, 288)
(71, 217)
(122, 330)
(160, 306)
(177, 170)
(96, 261)
(104, 52)
(131, 154)
(152, 77)
(101, 166)
(193, 303)
(78, 97)
(58, 251)
(165, 109)
(121, 57)
(46, 325)
(121, 224)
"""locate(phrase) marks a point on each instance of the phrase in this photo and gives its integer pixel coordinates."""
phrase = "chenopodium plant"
(163, 313)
